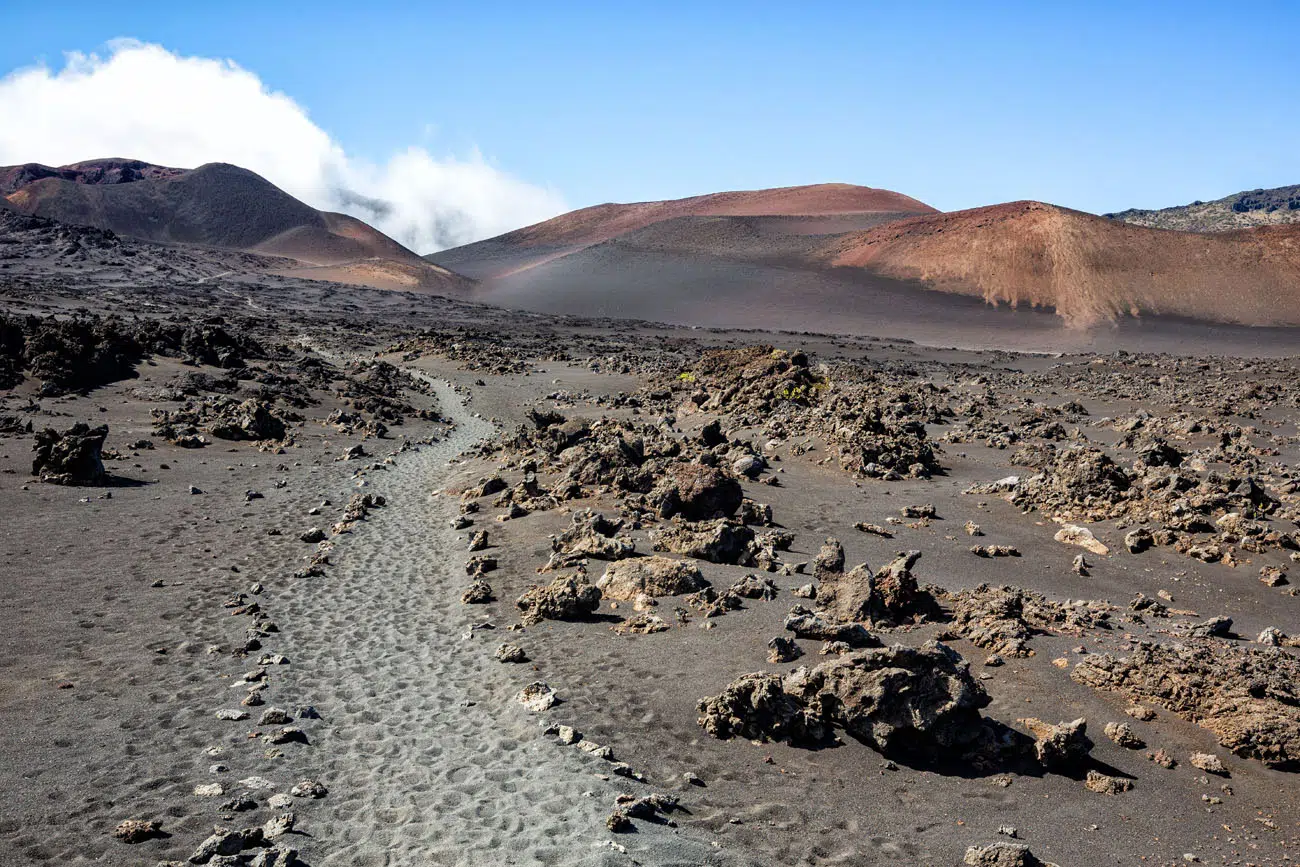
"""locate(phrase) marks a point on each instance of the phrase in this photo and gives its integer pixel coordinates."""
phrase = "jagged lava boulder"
(74, 457)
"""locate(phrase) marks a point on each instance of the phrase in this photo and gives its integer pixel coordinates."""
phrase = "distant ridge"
(602, 222)
(813, 208)
(222, 206)
(1278, 206)
(113, 170)
(823, 255)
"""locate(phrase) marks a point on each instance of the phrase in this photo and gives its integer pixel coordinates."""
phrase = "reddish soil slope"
(1089, 269)
(602, 222)
(783, 211)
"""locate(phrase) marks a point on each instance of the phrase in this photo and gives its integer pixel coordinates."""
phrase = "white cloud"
(144, 102)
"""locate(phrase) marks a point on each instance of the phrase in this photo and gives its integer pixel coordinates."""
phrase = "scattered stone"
(889, 597)
(1215, 627)
(1138, 540)
(748, 466)
(781, 649)
(480, 565)
(1273, 576)
(226, 843)
(889, 697)
(1059, 747)
(74, 457)
(644, 623)
(1001, 486)
(286, 735)
(1123, 734)
(1102, 784)
(133, 831)
(275, 856)
(510, 653)
(1140, 712)
(756, 707)
(697, 493)
(257, 783)
(240, 804)
(805, 624)
(1073, 534)
(1209, 763)
(1271, 636)
(653, 576)
(721, 541)
(1003, 619)
(537, 696)
(1002, 855)
(278, 826)
(478, 593)
(590, 536)
(308, 789)
(753, 587)
(566, 598)
(1162, 758)
(995, 551)
(315, 534)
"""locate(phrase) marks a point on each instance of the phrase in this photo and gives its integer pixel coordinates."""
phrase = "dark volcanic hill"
(222, 206)
(105, 171)
(1238, 211)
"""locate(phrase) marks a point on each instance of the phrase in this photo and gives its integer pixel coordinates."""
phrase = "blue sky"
(1098, 106)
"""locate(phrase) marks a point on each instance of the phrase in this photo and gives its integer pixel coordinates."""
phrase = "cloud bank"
(144, 102)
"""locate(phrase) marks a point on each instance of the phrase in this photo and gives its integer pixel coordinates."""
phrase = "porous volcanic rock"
(568, 597)
(1248, 697)
(74, 457)
(893, 698)
(650, 576)
(697, 493)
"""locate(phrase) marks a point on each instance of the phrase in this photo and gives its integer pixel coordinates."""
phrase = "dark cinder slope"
(113, 170)
(1277, 206)
(223, 206)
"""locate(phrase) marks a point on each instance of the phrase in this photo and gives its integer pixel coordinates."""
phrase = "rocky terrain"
(306, 573)
(1243, 210)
